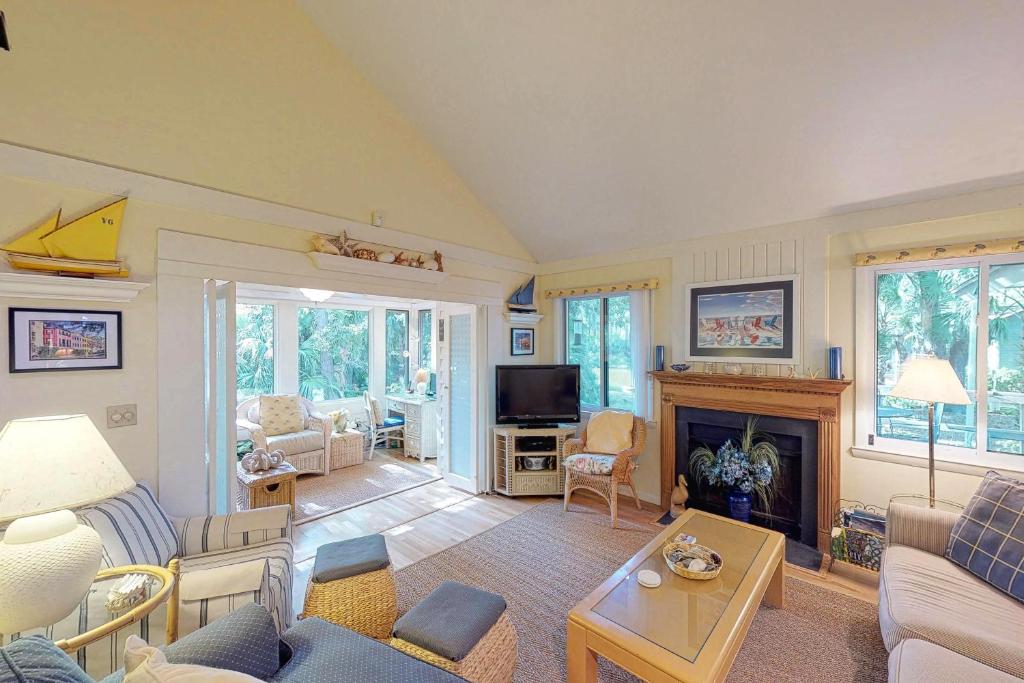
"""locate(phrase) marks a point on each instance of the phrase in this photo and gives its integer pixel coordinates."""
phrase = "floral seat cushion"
(591, 463)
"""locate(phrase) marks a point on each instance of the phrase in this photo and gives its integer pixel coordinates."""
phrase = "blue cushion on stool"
(394, 421)
(343, 559)
(451, 620)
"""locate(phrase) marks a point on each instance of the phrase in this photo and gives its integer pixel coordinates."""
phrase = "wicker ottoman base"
(366, 603)
(492, 659)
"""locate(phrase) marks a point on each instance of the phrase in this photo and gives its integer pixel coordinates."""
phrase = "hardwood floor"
(425, 520)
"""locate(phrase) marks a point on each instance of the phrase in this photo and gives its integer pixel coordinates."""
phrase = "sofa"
(308, 450)
(251, 552)
(924, 597)
(247, 641)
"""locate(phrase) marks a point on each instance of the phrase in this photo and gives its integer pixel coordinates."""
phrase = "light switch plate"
(122, 416)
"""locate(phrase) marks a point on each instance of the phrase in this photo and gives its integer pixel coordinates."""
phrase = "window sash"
(639, 339)
(865, 436)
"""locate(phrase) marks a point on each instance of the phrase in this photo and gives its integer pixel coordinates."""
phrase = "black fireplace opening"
(794, 509)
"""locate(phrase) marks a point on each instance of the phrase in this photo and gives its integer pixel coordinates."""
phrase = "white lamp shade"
(926, 378)
(53, 463)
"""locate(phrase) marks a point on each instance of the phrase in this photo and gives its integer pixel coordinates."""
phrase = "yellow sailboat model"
(86, 246)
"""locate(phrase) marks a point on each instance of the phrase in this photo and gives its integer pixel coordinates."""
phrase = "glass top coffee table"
(683, 630)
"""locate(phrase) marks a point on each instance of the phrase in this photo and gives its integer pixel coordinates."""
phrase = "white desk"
(420, 413)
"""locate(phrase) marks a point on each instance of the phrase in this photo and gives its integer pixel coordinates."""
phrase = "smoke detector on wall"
(377, 218)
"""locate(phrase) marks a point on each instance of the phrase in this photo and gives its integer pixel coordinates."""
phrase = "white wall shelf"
(346, 264)
(523, 318)
(32, 286)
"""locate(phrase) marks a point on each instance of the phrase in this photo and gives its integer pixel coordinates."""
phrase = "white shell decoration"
(324, 246)
(386, 257)
(260, 460)
(697, 565)
(430, 265)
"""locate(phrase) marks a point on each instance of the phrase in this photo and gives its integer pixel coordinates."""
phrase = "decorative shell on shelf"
(386, 257)
(365, 254)
(260, 460)
(325, 246)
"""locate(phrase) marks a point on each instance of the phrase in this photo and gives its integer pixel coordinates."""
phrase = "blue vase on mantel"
(739, 505)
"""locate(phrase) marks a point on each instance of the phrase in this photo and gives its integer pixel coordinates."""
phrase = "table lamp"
(422, 375)
(47, 559)
(932, 380)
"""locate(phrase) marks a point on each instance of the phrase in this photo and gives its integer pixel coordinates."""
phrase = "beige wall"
(244, 96)
(776, 251)
(821, 252)
(873, 481)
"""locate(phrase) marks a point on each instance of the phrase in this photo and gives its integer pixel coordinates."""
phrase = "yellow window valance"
(617, 287)
(1010, 245)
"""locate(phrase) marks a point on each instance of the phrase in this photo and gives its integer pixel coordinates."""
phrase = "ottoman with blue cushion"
(462, 629)
(353, 585)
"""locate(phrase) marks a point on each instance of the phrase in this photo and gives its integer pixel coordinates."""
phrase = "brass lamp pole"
(932, 380)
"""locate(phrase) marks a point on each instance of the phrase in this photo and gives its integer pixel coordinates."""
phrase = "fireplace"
(794, 510)
(795, 401)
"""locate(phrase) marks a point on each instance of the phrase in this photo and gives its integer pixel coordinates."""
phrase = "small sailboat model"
(521, 300)
(85, 247)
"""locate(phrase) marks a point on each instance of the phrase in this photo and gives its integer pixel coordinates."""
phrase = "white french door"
(221, 435)
(458, 396)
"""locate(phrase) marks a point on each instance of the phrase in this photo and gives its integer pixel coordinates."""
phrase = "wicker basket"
(366, 603)
(713, 560)
(275, 486)
(346, 449)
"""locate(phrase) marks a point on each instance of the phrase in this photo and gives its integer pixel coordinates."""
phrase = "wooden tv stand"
(512, 444)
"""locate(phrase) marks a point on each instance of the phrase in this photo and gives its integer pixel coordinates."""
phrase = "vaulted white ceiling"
(597, 125)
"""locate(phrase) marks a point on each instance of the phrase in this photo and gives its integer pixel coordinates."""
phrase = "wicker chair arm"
(320, 423)
(572, 447)
(256, 432)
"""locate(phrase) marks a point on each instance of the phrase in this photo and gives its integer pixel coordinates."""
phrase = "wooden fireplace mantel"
(797, 398)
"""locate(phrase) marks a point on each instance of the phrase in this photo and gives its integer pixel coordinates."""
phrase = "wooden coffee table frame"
(590, 634)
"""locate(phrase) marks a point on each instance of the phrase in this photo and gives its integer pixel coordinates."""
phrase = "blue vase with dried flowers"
(747, 468)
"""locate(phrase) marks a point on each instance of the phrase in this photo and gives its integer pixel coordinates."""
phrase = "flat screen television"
(537, 394)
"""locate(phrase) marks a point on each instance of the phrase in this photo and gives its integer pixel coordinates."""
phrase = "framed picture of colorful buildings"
(48, 339)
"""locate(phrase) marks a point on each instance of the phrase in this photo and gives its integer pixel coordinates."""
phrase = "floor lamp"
(932, 380)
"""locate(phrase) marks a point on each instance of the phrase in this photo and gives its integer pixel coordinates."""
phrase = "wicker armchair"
(309, 450)
(605, 485)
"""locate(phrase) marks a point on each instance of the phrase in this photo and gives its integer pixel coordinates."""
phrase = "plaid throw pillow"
(988, 539)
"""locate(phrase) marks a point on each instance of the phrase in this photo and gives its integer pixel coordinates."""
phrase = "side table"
(346, 449)
(275, 486)
(105, 580)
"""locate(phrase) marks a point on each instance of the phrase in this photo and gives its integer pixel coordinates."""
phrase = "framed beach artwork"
(46, 339)
(753, 320)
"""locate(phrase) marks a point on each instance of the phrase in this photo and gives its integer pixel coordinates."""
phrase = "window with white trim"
(607, 337)
(968, 311)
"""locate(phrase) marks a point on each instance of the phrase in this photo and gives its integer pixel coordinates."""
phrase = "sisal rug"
(544, 561)
(317, 496)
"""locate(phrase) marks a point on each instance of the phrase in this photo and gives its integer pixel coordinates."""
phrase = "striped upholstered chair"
(249, 551)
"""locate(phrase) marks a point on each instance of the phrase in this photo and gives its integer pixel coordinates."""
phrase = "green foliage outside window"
(254, 358)
(334, 353)
(585, 319)
(396, 341)
(425, 326)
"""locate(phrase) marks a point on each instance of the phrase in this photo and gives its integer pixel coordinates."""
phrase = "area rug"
(318, 496)
(544, 561)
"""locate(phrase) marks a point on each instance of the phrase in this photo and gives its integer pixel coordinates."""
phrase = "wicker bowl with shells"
(692, 561)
